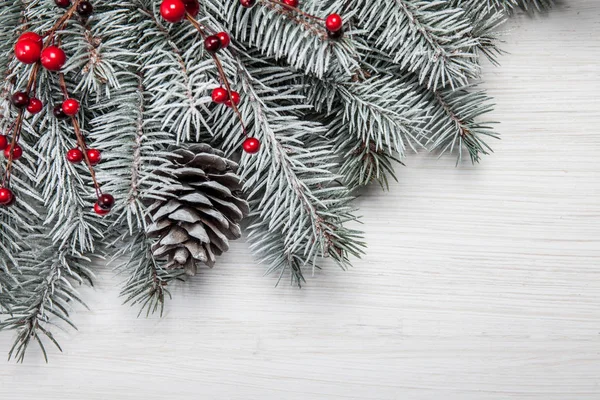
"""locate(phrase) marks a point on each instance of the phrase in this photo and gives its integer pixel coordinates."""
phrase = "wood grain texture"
(480, 282)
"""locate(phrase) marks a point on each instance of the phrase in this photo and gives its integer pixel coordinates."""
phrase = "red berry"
(20, 99)
(335, 35)
(16, 154)
(85, 9)
(100, 211)
(247, 3)
(235, 96)
(34, 37)
(224, 39)
(172, 10)
(192, 7)
(251, 145)
(70, 106)
(57, 111)
(27, 51)
(34, 106)
(333, 22)
(94, 156)
(291, 3)
(63, 3)
(6, 196)
(53, 58)
(106, 201)
(3, 142)
(219, 95)
(75, 156)
(212, 44)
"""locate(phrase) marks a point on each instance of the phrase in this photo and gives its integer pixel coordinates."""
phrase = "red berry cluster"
(333, 22)
(31, 49)
(178, 10)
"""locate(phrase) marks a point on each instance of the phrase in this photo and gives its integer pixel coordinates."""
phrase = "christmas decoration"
(94, 156)
(131, 115)
(28, 51)
(247, 3)
(75, 156)
(70, 107)
(20, 99)
(63, 3)
(6, 196)
(197, 223)
(219, 95)
(53, 58)
(35, 105)
(251, 145)
(85, 9)
(224, 39)
(192, 7)
(333, 23)
(173, 10)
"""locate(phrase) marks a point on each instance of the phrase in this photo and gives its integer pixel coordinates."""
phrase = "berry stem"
(16, 128)
(30, 86)
(221, 71)
(80, 138)
(60, 23)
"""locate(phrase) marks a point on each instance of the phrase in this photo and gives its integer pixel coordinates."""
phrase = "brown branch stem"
(80, 139)
(221, 71)
(30, 86)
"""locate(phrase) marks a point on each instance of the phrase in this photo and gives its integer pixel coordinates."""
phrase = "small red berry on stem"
(235, 96)
(291, 3)
(100, 211)
(6, 196)
(31, 36)
(212, 44)
(192, 7)
(94, 156)
(336, 34)
(251, 145)
(75, 156)
(219, 95)
(3, 142)
(333, 22)
(53, 58)
(28, 51)
(224, 39)
(63, 3)
(17, 152)
(85, 9)
(172, 10)
(59, 113)
(70, 107)
(34, 106)
(247, 3)
(106, 201)
(20, 99)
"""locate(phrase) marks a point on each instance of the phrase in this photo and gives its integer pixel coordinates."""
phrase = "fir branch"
(456, 124)
(299, 209)
(47, 292)
(177, 75)
(282, 34)
(147, 281)
(425, 37)
(369, 121)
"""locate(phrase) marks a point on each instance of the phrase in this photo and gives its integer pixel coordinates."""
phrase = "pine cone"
(197, 222)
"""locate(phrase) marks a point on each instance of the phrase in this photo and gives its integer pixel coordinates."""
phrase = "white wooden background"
(479, 283)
